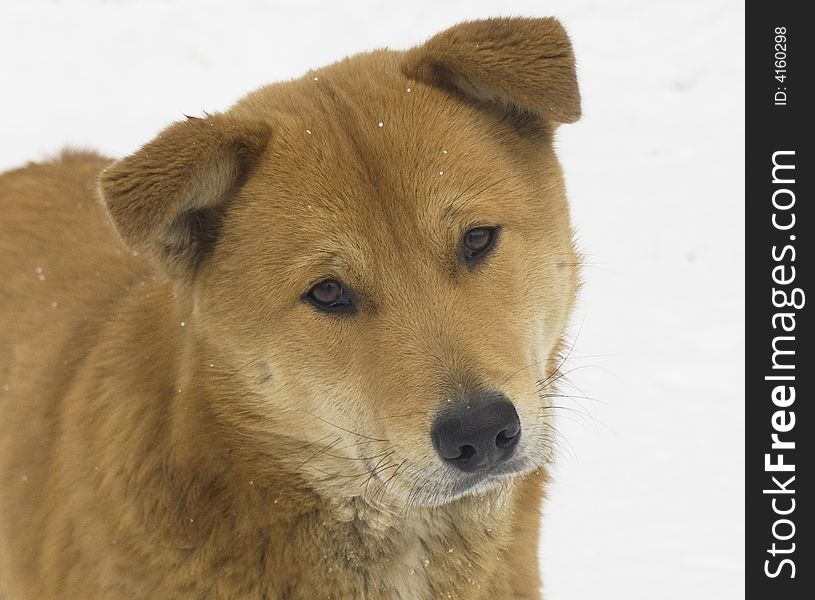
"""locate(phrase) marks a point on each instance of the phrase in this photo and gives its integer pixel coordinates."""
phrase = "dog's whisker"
(585, 417)
(558, 438)
(353, 458)
(574, 397)
(555, 372)
(557, 377)
(379, 493)
(358, 444)
(335, 475)
(344, 429)
(313, 444)
(392, 477)
(578, 417)
(373, 471)
(548, 398)
(563, 381)
(506, 379)
(319, 451)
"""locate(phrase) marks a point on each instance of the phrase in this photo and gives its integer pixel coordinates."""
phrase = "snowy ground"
(647, 501)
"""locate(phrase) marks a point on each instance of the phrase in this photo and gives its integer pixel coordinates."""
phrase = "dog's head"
(378, 259)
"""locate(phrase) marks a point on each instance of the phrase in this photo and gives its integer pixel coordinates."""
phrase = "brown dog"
(320, 367)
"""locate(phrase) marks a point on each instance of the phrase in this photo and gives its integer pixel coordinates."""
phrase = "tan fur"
(175, 422)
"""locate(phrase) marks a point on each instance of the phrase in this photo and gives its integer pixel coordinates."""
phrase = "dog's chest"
(439, 559)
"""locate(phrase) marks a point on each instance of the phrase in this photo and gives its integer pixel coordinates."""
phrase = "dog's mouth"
(479, 481)
(435, 487)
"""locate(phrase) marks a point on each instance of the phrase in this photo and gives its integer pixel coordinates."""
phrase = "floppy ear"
(168, 199)
(524, 65)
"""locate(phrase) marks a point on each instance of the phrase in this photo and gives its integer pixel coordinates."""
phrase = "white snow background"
(647, 501)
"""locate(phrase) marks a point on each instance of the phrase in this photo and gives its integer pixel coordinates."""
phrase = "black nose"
(478, 434)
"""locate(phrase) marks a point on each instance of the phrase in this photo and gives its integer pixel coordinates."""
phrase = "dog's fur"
(176, 422)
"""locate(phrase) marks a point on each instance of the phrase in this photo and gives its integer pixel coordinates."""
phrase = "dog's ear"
(523, 66)
(168, 199)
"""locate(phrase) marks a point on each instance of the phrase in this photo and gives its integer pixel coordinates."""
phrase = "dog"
(300, 349)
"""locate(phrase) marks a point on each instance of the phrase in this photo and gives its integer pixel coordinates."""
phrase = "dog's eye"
(330, 295)
(477, 243)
